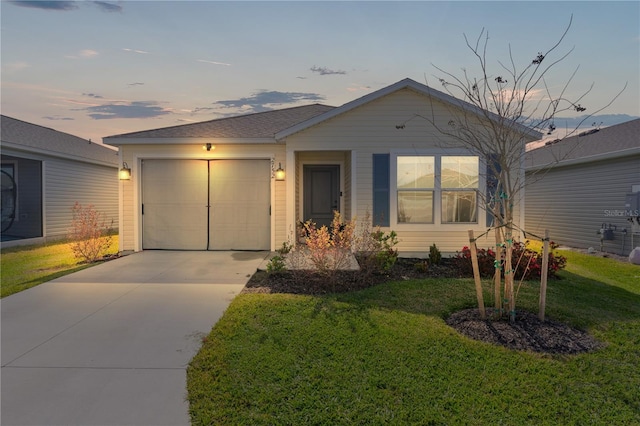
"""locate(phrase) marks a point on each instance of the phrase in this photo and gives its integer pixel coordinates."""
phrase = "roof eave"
(63, 155)
(119, 141)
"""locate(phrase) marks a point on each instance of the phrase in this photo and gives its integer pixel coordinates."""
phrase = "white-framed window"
(435, 189)
(459, 188)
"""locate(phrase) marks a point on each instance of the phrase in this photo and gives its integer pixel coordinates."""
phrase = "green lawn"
(385, 356)
(27, 266)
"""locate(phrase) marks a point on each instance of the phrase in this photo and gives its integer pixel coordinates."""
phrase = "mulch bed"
(528, 333)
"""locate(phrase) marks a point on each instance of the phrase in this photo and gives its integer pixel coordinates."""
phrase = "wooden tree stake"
(497, 291)
(544, 274)
(476, 273)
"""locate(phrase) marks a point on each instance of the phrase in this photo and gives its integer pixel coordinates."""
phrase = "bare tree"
(493, 119)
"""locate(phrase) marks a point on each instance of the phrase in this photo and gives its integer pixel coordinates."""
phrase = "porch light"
(208, 147)
(280, 174)
(125, 172)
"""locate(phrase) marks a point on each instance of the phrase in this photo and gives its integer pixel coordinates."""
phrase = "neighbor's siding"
(571, 201)
(64, 183)
(371, 129)
(68, 182)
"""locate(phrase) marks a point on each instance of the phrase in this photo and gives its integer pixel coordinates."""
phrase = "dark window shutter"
(381, 189)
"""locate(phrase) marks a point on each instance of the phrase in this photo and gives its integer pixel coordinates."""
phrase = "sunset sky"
(99, 68)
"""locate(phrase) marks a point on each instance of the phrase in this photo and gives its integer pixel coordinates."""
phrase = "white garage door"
(206, 204)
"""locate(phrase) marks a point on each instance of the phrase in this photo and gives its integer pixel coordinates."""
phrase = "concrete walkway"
(110, 345)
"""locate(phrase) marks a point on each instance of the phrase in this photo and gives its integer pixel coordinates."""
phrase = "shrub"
(330, 250)
(526, 263)
(434, 255)
(374, 248)
(276, 264)
(90, 236)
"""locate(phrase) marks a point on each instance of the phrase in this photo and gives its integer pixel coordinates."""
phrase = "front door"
(321, 193)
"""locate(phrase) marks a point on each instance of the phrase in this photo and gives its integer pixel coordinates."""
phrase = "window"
(437, 189)
(459, 189)
(416, 186)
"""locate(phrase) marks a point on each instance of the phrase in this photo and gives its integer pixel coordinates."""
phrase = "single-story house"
(44, 173)
(219, 184)
(581, 185)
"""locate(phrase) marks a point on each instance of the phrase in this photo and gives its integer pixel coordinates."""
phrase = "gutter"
(588, 159)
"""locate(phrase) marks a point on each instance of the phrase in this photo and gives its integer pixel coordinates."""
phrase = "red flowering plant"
(526, 262)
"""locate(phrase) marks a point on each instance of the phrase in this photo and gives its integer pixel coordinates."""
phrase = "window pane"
(416, 172)
(459, 207)
(459, 172)
(415, 207)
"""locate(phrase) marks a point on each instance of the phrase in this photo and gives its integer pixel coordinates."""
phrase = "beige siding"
(371, 129)
(572, 202)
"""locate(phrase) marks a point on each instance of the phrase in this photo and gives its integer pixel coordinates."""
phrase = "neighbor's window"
(415, 186)
(459, 184)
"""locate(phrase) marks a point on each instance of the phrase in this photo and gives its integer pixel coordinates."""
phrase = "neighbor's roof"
(610, 142)
(23, 136)
(258, 125)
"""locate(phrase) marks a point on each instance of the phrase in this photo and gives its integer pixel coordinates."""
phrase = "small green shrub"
(388, 254)
(421, 265)
(434, 255)
(276, 264)
(286, 248)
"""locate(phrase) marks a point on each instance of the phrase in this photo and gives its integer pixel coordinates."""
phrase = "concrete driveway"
(109, 345)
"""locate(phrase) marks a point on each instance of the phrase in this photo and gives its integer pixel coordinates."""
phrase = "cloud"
(57, 118)
(326, 71)
(354, 87)
(213, 62)
(66, 5)
(142, 52)
(47, 5)
(92, 95)
(108, 7)
(15, 66)
(196, 110)
(86, 53)
(142, 109)
(263, 100)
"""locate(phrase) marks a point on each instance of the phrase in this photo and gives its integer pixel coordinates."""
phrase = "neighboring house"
(44, 172)
(579, 185)
(357, 159)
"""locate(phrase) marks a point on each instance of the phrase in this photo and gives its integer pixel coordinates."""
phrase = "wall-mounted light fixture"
(208, 147)
(279, 174)
(125, 172)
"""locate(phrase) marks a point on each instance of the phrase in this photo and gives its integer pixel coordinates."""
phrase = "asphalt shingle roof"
(609, 140)
(258, 125)
(32, 137)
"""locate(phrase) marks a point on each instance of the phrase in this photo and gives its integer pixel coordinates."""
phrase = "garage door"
(206, 204)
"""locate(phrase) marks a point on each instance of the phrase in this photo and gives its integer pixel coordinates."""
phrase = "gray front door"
(321, 193)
